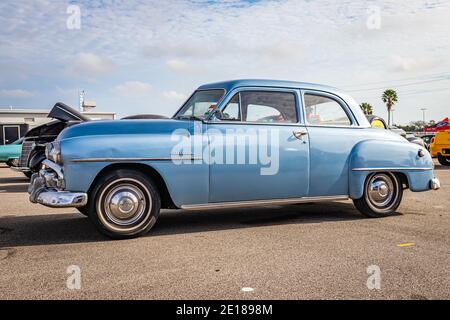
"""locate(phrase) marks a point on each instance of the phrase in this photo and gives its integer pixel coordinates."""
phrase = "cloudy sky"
(147, 56)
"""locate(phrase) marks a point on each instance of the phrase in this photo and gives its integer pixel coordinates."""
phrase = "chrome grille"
(27, 146)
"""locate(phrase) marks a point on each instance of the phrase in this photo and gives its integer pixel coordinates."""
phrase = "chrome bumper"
(43, 189)
(435, 184)
(21, 169)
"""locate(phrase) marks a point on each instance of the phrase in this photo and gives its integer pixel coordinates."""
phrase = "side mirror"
(217, 114)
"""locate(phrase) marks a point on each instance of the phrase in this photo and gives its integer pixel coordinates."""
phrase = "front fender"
(370, 156)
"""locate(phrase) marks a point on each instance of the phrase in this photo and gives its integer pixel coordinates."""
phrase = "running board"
(255, 203)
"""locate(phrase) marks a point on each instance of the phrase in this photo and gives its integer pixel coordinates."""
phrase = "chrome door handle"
(299, 134)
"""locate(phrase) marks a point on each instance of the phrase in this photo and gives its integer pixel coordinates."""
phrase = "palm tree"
(366, 108)
(390, 98)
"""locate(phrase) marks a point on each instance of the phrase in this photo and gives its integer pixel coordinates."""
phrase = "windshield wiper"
(187, 117)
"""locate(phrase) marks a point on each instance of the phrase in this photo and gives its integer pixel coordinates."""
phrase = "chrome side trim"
(391, 169)
(135, 159)
(239, 204)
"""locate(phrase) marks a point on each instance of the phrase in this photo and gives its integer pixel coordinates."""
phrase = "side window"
(321, 110)
(267, 106)
(232, 112)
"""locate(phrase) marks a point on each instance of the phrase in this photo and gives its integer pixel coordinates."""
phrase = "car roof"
(232, 84)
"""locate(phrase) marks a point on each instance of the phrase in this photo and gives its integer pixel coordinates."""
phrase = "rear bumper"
(435, 184)
(43, 190)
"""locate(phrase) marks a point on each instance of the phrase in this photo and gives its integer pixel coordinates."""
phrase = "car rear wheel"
(445, 161)
(383, 193)
(125, 204)
(12, 162)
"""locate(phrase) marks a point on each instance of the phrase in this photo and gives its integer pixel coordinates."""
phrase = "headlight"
(53, 151)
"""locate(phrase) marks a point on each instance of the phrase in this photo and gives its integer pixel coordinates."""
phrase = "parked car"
(33, 146)
(322, 148)
(377, 122)
(417, 140)
(440, 147)
(10, 153)
(427, 140)
(398, 131)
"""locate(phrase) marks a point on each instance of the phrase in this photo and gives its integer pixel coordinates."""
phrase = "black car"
(33, 146)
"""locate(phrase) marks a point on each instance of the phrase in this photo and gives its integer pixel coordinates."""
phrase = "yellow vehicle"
(440, 147)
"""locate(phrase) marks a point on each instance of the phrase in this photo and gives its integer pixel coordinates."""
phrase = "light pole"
(423, 114)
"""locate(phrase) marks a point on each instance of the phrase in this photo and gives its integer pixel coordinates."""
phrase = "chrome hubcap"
(124, 204)
(381, 190)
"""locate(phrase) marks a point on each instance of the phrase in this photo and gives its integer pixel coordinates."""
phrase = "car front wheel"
(382, 195)
(445, 161)
(125, 204)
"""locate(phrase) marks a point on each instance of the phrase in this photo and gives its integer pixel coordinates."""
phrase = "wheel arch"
(166, 199)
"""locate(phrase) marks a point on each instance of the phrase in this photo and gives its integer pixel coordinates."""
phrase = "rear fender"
(399, 157)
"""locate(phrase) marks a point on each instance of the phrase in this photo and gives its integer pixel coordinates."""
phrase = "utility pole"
(81, 101)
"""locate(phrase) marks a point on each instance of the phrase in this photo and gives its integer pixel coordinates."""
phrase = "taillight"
(432, 140)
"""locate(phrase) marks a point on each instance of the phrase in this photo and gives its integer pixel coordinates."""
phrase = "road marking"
(411, 244)
(247, 289)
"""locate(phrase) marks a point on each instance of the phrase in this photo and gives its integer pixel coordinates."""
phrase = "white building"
(14, 123)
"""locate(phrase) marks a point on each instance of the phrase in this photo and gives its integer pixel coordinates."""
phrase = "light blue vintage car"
(234, 143)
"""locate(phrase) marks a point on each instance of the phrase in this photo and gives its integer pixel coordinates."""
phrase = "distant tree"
(390, 98)
(414, 126)
(366, 108)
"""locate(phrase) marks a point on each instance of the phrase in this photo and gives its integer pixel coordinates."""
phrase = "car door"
(333, 132)
(258, 147)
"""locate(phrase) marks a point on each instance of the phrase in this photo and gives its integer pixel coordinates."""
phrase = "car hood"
(125, 127)
(65, 113)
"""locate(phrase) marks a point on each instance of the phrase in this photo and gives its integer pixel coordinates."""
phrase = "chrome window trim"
(290, 124)
(239, 204)
(197, 90)
(339, 100)
(228, 96)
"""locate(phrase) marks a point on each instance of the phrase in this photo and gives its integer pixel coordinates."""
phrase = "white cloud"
(91, 65)
(323, 41)
(402, 63)
(180, 66)
(174, 96)
(17, 93)
(134, 89)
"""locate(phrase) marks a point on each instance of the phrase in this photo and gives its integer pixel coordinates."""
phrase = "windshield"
(200, 104)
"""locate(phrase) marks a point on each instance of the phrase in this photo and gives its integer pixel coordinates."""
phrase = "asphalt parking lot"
(309, 251)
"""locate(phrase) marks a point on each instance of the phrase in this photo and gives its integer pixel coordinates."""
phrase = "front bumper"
(45, 189)
(21, 169)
